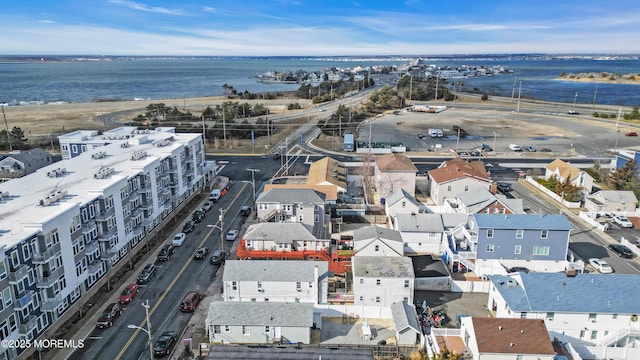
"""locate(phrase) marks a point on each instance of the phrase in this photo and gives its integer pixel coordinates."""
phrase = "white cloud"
(47, 21)
(143, 7)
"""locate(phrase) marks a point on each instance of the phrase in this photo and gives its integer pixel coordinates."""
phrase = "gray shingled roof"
(404, 316)
(260, 314)
(291, 196)
(376, 232)
(382, 266)
(398, 195)
(421, 222)
(284, 233)
(273, 270)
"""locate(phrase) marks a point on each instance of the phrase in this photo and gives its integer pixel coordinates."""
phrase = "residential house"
(400, 201)
(330, 191)
(282, 237)
(564, 171)
(504, 339)
(625, 156)
(65, 229)
(500, 242)
(304, 206)
(613, 201)
(382, 280)
(276, 281)
(597, 314)
(377, 241)
(394, 172)
(455, 177)
(328, 171)
(405, 320)
(20, 163)
(480, 200)
(259, 322)
(421, 233)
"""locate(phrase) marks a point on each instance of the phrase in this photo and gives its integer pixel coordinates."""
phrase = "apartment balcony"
(50, 304)
(28, 324)
(23, 300)
(107, 255)
(49, 278)
(91, 247)
(95, 267)
(89, 227)
(106, 214)
(18, 273)
(45, 256)
(109, 236)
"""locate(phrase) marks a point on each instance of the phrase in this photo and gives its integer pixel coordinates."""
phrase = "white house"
(611, 201)
(282, 237)
(564, 171)
(480, 200)
(276, 281)
(597, 314)
(259, 322)
(394, 172)
(421, 233)
(382, 281)
(456, 176)
(401, 202)
(377, 241)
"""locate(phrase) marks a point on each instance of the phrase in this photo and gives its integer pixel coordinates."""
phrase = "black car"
(198, 216)
(165, 252)
(245, 210)
(486, 147)
(621, 250)
(188, 227)
(165, 344)
(217, 257)
(109, 314)
(146, 274)
(201, 253)
(504, 187)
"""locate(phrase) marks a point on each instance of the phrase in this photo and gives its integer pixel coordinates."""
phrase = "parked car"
(178, 239)
(529, 148)
(207, 206)
(110, 313)
(621, 250)
(633, 133)
(601, 266)
(128, 293)
(232, 235)
(515, 147)
(245, 210)
(201, 253)
(146, 274)
(190, 301)
(188, 227)
(276, 156)
(623, 221)
(573, 112)
(165, 344)
(420, 136)
(165, 252)
(486, 147)
(504, 187)
(197, 216)
(217, 257)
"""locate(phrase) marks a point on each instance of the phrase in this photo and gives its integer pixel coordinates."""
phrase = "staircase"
(270, 215)
(615, 336)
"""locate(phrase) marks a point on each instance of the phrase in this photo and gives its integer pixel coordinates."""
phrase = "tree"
(567, 190)
(17, 137)
(619, 178)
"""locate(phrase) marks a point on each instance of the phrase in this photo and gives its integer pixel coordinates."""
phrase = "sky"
(317, 27)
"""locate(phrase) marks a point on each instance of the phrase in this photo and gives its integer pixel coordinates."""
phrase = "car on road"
(420, 136)
(232, 235)
(515, 147)
(504, 187)
(165, 344)
(322, 110)
(201, 253)
(178, 239)
(622, 221)
(486, 147)
(601, 266)
(110, 313)
(197, 216)
(573, 112)
(530, 148)
(245, 210)
(146, 274)
(632, 133)
(217, 257)
(165, 252)
(276, 156)
(188, 227)
(128, 293)
(207, 206)
(190, 301)
(621, 250)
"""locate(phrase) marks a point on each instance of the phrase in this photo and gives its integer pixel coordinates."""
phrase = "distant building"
(611, 201)
(349, 143)
(382, 280)
(564, 171)
(20, 163)
(455, 177)
(394, 172)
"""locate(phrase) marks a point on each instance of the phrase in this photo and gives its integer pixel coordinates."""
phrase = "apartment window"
(592, 317)
(466, 188)
(378, 299)
(523, 315)
(449, 188)
(519, 234)
(376, 248)
(406, 283)
(404, 204)
(615, 316)
(377, 281)
(246, 330)
(550, 316)
(518, 249)
(227, 328)
(491, 248)
(26, 251)
(298, 286)
(541, 250)
(361, 281)
(259, 285)
(544, 234)
(234, 285)
(216, 329)
(519, 357)
(267, 329)
(3, 271)
(489, 233)
(594, 334)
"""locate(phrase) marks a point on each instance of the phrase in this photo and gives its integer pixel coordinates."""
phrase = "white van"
(515, 147)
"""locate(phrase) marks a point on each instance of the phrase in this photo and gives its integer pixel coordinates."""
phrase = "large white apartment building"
(64, 227)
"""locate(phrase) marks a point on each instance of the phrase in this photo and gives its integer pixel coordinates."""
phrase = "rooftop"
(420, 222)
(278, 232)
(399, 195)
(523, 221)
(273, 270)
(395, 162)
(404, 316)
(458, 168)
(382, 267)
(327, 170)
(330, 191)
(512, 336)
(291, 196)
(252, 313)
(376, 232)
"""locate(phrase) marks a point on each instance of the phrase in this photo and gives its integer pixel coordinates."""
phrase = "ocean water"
(165, 78)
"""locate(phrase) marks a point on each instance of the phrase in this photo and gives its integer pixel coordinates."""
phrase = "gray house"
(20, 163)
(304, 206)
(611, 201)
(405, 320)
(537, 242)
(259, 322)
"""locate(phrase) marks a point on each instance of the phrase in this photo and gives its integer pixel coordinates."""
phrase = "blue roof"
(585, 293)
(522, 221)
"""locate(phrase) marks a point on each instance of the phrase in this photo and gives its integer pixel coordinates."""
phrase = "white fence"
(551, 194)
(590, 218)
(478, 286)
(371, 312)
(634, 246)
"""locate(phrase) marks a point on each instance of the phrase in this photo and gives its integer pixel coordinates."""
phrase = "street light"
(253, 184)
(221, 228)
(148, 329)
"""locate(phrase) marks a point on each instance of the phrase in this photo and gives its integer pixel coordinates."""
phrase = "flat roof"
(279, 352)
(259, 313)
(382, 266)
(273, 270)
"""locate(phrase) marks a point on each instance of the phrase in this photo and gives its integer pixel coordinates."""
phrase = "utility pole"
(253, 185)
(146, 311)
(224, 127)
(268, 134)
(221, 218)
(410, 86)
(6, 126)
(457, 140)
(435, 100)
(513, 89)
(340, 126)
(204, 133)
(519, 92)
(594, 96)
